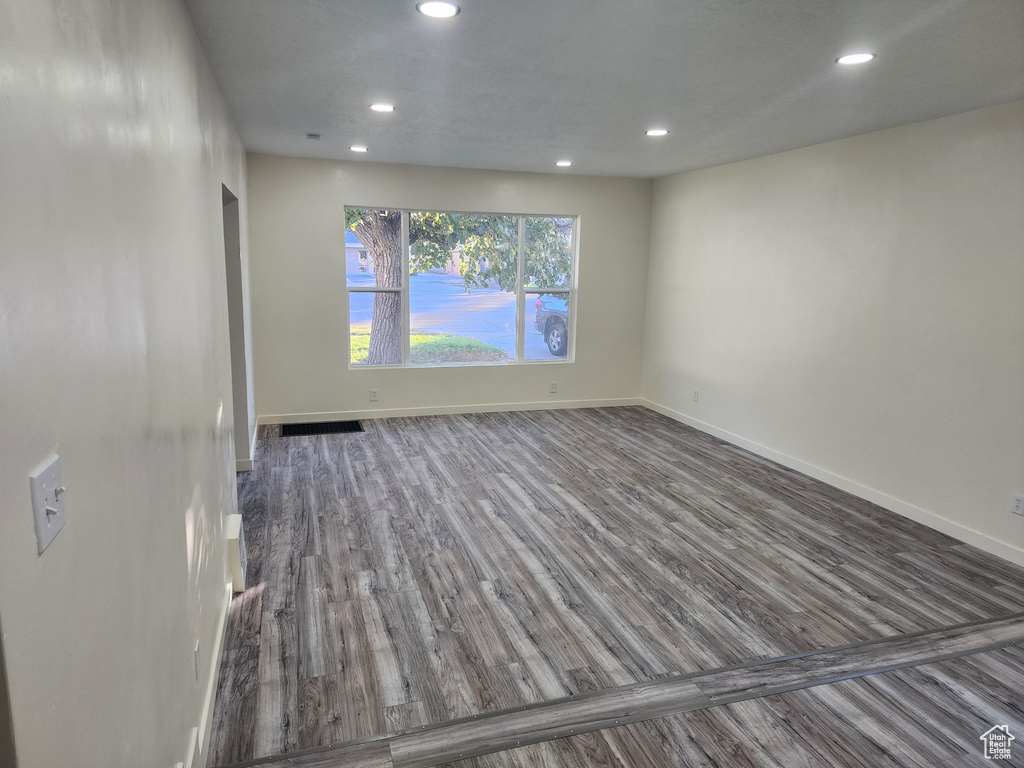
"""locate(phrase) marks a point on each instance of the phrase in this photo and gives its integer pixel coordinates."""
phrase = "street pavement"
(440, 303)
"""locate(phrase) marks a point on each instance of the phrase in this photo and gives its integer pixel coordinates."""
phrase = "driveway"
(440, 303)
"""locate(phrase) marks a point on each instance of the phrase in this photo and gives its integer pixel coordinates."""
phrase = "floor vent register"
(320, 428)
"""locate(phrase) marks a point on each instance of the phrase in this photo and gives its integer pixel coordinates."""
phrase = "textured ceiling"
(519, 84)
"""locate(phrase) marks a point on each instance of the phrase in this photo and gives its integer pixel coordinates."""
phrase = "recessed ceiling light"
(657, 132)
(313, 136)
(358, 148)
(382, 107)
(563, 163)
(855, 58)
(437, 10)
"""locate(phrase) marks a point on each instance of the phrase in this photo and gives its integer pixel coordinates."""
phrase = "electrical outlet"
(553, 388)
(373, 395)
(696, 395)
(1018, 505)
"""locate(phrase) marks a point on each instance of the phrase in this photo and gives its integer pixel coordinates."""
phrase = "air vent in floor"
(320, 428)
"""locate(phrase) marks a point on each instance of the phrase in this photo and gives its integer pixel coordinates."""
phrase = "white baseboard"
(926, 517)
(960, 531)
(197, 756)
(384, 413)
(244, 464)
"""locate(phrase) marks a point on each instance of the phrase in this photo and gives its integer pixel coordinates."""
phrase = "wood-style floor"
(926, 717)
(920, 717)
(438, 568)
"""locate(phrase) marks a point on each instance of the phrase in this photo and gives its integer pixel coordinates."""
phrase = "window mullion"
(406, 320)
(521, 293)
(574, 288)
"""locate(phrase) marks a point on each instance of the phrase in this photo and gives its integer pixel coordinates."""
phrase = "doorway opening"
(241, 388)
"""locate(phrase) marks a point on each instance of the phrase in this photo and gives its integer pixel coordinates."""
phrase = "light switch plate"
(47, 501)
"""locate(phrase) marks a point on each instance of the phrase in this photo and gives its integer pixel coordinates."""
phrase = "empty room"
(493, 384)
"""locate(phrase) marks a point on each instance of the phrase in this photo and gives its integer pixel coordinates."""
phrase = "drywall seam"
(384, 413)
(206, 722)
(918, 514)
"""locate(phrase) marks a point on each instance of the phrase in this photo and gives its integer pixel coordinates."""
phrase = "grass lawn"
(431, 347)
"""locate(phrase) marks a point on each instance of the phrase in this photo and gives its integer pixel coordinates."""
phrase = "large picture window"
(438, 288)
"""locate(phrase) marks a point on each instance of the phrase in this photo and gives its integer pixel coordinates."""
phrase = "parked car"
(553, 321)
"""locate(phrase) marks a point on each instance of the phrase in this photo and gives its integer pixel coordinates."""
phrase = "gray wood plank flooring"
(887, 722)
(443, 567)
(928, 716)
(372, 754)
(645, 701)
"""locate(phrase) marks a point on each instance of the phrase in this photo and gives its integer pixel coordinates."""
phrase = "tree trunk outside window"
(381, 233)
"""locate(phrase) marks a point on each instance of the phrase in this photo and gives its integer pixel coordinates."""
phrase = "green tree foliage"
(487, 246)
(547, 252)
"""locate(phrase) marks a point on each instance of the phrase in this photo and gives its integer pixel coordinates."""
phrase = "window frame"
(521, 292)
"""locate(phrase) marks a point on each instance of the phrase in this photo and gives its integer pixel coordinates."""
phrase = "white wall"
(114, 143)
(300, 307)
(856, 309)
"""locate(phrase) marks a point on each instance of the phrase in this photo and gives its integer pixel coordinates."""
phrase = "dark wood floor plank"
(404, 717)
(314, 713)
(316, 651)
(235, 706)
(277, 702)
(360, 707)
(245, 615)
